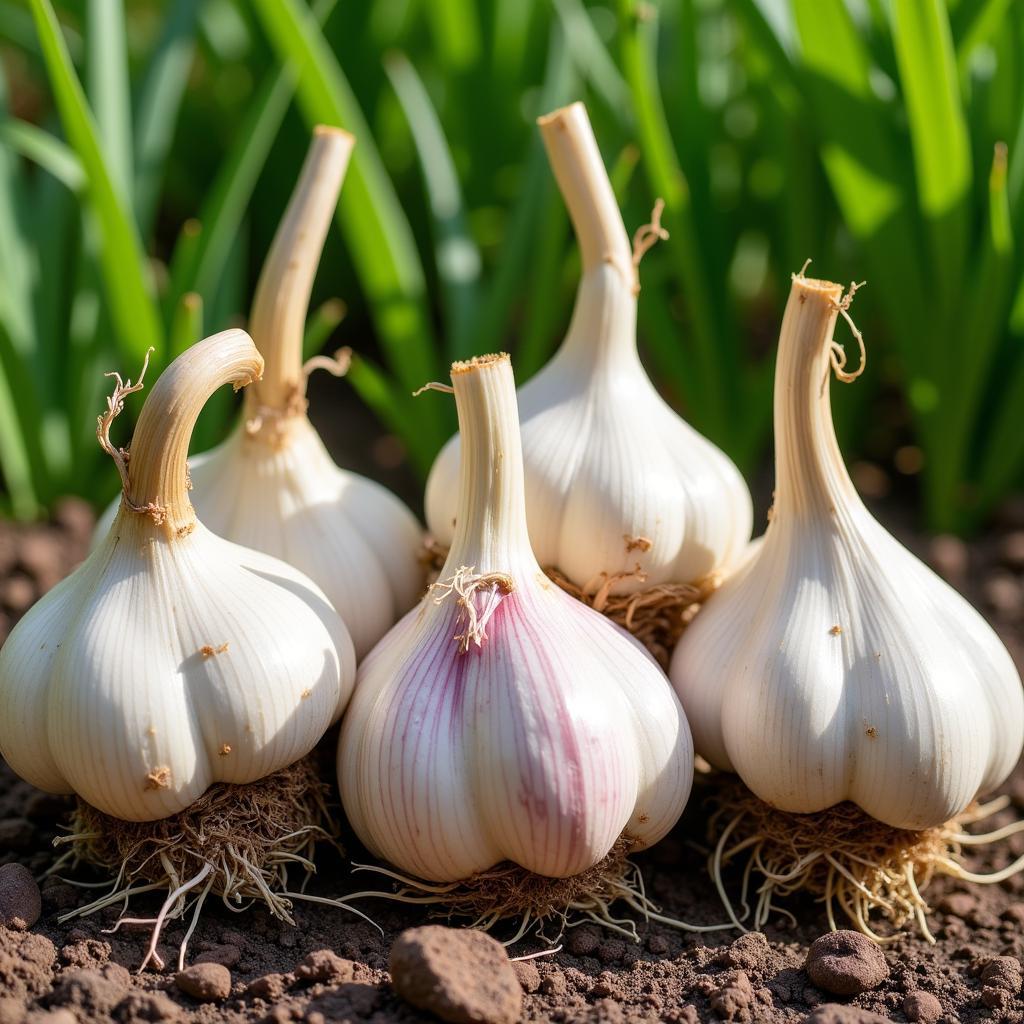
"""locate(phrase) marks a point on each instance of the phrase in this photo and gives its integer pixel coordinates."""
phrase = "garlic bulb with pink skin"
(501, 720)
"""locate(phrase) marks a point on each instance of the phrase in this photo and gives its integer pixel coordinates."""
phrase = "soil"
(331, 966)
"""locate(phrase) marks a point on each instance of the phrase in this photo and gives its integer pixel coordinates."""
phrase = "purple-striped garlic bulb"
(501, 720)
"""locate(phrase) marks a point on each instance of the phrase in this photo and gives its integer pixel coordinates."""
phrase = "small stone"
(528, 975)
(207, 983)
(1003, 972)
(845, 963)
(226, 955)
(836, 1013)
(948, 556)
(922, 1007)
(20, 900)
(460, 975)
(324, 965)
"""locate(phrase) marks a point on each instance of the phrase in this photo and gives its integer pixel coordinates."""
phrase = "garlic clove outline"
(540, 735)
(615, 480)
(171, 659)
(837, 666)
(272, 485)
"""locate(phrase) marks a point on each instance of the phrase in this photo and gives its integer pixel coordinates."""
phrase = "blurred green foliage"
(147, 151)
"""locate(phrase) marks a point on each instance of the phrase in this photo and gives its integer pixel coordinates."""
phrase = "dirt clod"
(326, 967)
(836, 1013)
(20, 900)
(206, 983)
(846, 963)
(463, 976)
(922, 1008)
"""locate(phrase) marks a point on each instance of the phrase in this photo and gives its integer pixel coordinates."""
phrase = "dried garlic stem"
(583, 181)
(812, 479)
(158, 486)
(282, 295)
(491, 472)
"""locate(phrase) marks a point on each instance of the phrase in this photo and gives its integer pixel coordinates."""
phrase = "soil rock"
(845, 963)
(922, 1007)
(463, 976)
(146, 1006)
(207, 983)
(21, 903)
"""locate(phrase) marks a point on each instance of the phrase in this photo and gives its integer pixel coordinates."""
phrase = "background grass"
(147, 151)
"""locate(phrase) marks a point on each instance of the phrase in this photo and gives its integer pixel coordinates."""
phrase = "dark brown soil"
(333, 967)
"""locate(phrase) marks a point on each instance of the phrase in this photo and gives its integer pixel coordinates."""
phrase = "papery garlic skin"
(171, 659)
(542, 744)
(615, 480)
(836, 666)
(272, 486)
(350, 534)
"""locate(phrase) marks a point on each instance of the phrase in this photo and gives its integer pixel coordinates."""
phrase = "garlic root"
(851, 862)
(236, 841)
(508, 892)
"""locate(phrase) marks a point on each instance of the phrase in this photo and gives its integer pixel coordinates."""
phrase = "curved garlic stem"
(583, 182)
(157, 470)
(490, 529)
(286, 281)
(811, 476)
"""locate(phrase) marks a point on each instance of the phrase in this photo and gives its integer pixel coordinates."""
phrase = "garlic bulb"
(272, 486)
(501, 719)
(835, 666)
(615, 480)
(170, 659)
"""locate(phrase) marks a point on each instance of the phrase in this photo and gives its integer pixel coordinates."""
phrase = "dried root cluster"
(508, 892)
(848, 860)
(236, 841)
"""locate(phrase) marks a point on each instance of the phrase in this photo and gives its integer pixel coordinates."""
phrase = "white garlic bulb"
(501, 719)
(615, 480)
(171, 659)
(272, 486)
(835, 666)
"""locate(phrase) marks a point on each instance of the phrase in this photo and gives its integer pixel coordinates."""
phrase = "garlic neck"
(811, 478)
(158, 483)
(603, 328)
(490, 521)
(282, 296)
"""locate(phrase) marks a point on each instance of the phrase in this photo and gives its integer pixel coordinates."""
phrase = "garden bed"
(279, 974)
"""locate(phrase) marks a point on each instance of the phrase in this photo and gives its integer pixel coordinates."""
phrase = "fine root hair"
(237, 842)
(657, 616)
(509, 893)
(856, 866)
